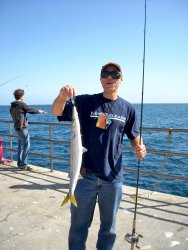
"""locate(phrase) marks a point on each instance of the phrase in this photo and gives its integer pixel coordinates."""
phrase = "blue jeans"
(23, 147)
(89, 189)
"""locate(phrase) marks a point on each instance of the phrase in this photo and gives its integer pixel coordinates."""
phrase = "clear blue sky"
(49, 43)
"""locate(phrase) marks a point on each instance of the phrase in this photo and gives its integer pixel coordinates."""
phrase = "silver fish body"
(75, 157)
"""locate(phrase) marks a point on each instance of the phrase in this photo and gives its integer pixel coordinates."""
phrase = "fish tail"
(72, 200)
(65, 200)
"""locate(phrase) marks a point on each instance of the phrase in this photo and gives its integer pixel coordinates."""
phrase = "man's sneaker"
(26, 168)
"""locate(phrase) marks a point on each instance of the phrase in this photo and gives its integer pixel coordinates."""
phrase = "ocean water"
(154, 115)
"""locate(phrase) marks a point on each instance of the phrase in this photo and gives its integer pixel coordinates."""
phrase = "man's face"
(110, 85)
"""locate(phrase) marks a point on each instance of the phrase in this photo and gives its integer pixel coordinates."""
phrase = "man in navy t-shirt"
(104, 119)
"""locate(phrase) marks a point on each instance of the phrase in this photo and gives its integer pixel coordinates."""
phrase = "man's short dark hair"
(18, 93)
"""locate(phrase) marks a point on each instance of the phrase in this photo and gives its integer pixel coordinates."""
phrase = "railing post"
(51, 159)
(10, 130)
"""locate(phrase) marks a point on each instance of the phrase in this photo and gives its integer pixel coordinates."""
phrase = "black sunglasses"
(113, 74)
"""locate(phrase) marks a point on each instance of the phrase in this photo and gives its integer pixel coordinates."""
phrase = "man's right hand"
(68, 91)
(41, 111)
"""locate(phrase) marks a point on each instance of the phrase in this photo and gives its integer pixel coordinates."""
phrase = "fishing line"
(10, 80)
(170, 157)
(134, 237)
(161, 167)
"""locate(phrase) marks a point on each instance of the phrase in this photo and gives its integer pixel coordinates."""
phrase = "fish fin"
(84, 149)
(67, 198)
(71, 198)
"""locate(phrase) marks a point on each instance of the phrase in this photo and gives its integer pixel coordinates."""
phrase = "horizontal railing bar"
(167, 153)
(8, 135)
(51, 123)
(159, 152)
(53, 140)
(49, 156)
(39, 139)
(156, 174)
(166, 129)
(43, 123)
(39, 154)
(69, 124)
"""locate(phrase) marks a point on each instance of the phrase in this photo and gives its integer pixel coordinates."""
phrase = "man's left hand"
(140, 151)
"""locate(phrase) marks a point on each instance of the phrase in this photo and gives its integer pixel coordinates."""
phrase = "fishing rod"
(134, 237)
(10, 80)
(17, 77)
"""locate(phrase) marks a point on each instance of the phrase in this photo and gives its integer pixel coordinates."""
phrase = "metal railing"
(49, 140)
(51, 156)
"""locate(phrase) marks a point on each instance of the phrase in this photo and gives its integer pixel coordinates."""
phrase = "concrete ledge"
(31, 217)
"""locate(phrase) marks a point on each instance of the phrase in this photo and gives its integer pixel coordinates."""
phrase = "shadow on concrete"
(35, 186)
(32, 177)
(165, 209)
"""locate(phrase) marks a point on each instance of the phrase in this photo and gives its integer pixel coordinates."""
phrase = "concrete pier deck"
(31, 217)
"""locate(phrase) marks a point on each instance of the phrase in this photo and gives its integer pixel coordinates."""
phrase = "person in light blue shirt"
(104, 119)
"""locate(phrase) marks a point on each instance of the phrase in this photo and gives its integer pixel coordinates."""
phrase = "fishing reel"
(133, 238)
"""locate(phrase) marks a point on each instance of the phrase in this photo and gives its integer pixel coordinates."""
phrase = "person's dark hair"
(18, 93)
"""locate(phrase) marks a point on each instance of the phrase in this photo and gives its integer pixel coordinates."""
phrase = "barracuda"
(75, 158)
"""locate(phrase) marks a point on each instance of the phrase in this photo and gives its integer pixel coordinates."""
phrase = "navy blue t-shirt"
(104, 145)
